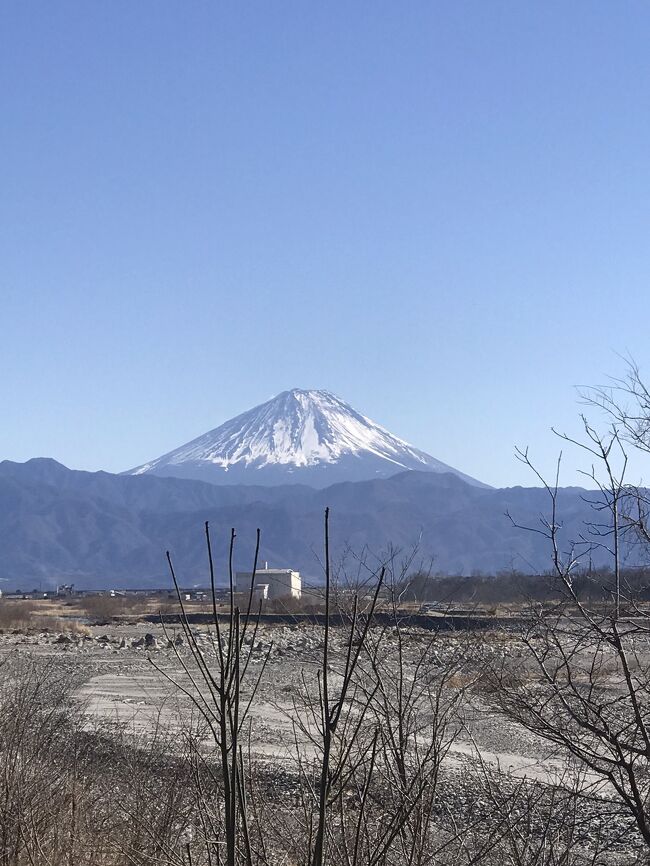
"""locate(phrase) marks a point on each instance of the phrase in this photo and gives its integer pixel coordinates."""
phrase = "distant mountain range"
(306, 437)
(98, 529)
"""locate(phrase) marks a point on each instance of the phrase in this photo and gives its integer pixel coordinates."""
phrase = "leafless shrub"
(589, 690)
(71, 794)
(372, 724)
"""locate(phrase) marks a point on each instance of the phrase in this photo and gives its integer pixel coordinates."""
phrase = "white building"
(270, 582)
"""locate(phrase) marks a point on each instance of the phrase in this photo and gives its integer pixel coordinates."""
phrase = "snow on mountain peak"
(309, 435)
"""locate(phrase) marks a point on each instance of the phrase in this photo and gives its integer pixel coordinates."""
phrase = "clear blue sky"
(438, 210)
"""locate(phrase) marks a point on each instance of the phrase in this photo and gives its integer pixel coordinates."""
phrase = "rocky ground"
(127, 668)
(132, 675)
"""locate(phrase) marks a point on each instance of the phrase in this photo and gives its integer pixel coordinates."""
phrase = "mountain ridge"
(103, 530)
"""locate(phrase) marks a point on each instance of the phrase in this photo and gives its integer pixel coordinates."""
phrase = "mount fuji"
(306, 437)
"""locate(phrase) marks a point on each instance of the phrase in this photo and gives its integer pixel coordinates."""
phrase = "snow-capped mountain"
(309, 437)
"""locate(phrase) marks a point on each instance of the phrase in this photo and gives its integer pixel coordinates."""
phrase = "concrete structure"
(270, 583)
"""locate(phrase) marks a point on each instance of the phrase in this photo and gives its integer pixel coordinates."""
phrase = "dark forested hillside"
(102, 529)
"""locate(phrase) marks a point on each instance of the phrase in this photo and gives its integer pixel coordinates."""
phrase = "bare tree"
(222, 693)
(372, 724)
(583, 683)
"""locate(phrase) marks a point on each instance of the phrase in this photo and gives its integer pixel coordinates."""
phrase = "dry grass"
(16, 615)
(288, 604)
(104, 608)
(70, 626)
(35, 616)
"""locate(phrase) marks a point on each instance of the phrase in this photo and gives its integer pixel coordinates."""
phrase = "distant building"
(194, 594)
(270, 583)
